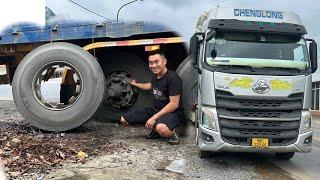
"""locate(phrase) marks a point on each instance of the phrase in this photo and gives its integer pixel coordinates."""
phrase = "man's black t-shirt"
(168, 85)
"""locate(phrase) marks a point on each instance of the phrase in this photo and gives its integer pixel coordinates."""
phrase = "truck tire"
(130, 65)
(205, 154)
(284, 156)
(88, 101)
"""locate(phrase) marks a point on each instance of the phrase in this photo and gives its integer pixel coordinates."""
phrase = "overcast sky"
(182, 15)
(15, 11)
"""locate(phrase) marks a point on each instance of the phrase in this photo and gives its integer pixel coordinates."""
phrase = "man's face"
(157, 64)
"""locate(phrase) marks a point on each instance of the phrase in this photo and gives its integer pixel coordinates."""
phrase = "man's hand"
(133, 82)
(144, 86)
(151, 122)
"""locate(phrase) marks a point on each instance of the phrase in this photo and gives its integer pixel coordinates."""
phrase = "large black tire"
(284, 156)
(205, 154)
(140, 72)
(90, 98)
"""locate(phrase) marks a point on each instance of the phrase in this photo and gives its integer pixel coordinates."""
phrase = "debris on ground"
(115, 152)
(177, 166)
(25, 151)
(82, 155)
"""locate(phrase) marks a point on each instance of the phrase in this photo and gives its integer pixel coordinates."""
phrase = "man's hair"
(161, 53)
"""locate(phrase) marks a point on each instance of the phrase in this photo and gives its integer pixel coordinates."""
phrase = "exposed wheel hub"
(119, 92)
(49, 91)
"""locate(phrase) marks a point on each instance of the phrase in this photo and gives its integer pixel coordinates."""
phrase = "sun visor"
(253, 26)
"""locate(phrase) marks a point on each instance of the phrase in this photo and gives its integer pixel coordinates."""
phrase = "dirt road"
(115, 152)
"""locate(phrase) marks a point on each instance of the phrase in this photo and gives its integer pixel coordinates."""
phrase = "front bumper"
(220, 145)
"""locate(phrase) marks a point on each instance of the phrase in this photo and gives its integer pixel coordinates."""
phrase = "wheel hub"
(120, 94)
(47, 87)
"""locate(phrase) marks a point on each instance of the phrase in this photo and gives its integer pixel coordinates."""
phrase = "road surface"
(149, 159)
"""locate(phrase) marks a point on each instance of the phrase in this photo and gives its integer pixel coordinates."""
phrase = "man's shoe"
(153, 135)
(174, 140)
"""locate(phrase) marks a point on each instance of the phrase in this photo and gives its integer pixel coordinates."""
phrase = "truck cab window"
(239, 48)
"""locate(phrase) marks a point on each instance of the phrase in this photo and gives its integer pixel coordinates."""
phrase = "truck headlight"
(208, 119)
(305, 122)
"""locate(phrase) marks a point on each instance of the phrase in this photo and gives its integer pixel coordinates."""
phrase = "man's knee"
(163, 130)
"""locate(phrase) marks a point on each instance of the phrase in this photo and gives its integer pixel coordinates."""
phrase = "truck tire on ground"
(37, 113)
(205, 154)
(126, 66)
(284, 156)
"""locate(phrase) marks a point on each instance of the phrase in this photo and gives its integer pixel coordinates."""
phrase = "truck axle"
(119, 92)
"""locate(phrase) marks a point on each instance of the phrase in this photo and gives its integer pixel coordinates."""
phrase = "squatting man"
(166, 113)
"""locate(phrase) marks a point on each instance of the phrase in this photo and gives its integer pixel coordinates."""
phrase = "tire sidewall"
(88, 101)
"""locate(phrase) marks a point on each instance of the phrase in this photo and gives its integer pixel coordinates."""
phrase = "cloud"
(15, 11)
(180, 15)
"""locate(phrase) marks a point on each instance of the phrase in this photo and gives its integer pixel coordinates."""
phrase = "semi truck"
(251, 90)
(246, 80)
(65, 72)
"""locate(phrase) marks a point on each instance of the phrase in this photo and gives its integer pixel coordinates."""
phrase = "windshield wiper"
(280, 71)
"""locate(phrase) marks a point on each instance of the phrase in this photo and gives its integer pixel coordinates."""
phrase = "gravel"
(134, 157)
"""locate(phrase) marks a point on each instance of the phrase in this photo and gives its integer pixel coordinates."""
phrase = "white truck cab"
(253, 82)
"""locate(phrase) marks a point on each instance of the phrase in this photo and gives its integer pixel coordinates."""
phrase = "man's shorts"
(172, 120)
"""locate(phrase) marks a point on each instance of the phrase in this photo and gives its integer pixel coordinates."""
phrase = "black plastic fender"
(186, 72)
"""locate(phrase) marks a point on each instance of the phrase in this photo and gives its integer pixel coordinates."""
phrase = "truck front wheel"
(205, 154)
(284, 156)
(39, 67)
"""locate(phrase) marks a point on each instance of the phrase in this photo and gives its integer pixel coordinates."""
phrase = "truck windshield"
(257, 50)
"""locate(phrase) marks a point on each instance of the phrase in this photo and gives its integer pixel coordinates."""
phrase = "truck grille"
(260, 114)
(259, 104)
(244, 118)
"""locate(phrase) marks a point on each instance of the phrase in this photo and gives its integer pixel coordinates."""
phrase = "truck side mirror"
(211, 35)
(194, 47)
(313, 55)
